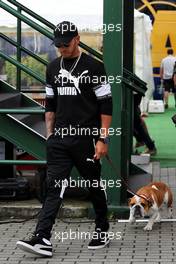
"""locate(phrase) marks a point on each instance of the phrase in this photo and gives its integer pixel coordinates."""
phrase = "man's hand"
(101, 150)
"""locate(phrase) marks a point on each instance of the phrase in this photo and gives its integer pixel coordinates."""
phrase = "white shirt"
(168, 66)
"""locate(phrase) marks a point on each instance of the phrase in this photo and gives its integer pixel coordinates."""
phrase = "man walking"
(166, 74)
(78, 99)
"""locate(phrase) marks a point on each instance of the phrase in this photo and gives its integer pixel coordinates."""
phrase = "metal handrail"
(50, 35)
(22, 67)
(27, 20)
(33, 90)
(52, 26)
(134, 82)
(22, 111)
(23, 162)
(32, 13)
(14, 43)
(42, 30)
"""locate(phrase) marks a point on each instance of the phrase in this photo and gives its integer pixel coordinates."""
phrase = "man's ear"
(77, 39)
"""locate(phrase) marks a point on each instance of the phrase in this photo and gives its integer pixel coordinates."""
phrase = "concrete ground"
(129, 243)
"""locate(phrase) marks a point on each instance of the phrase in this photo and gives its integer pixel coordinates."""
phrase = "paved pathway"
(131, 245)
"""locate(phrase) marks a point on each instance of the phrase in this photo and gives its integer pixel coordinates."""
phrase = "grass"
(163, 131)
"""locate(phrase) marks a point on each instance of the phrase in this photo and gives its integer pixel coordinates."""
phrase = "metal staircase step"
(21, 117)
(36, 122)
(10, 100)
(23, 136)
(40, 127)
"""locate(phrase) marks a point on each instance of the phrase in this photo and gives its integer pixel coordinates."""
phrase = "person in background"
(140, 130)
(166, 75)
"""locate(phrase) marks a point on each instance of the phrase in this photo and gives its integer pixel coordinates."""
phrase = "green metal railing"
(23, 162)
(22, 18)
(127, 77)
(25, 110)
(20, 67)
(23, 49)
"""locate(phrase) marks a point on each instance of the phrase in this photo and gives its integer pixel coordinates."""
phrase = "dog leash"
(129, 190)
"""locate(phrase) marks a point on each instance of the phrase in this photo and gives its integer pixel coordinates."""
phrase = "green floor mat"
(163, 132)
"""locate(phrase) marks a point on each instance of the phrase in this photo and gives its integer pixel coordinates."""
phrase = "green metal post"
(127, 94)
(18, 81)
(113, 59)
(129, 61)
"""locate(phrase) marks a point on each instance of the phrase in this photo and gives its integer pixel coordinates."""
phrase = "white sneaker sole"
(28, 248)
(99, 247)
